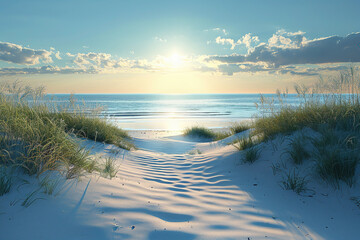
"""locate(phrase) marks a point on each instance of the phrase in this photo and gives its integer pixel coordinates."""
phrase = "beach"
(175, 187)
(179, 120)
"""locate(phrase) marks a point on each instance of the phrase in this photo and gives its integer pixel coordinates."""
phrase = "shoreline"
(171, 124)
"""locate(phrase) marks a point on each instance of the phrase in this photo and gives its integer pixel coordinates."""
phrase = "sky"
(176, 46)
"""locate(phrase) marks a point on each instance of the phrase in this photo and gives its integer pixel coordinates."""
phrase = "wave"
(166, 114)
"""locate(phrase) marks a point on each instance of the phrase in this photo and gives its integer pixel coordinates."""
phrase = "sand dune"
(163, 192)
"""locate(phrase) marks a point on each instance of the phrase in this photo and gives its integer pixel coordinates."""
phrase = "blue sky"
(144, 38)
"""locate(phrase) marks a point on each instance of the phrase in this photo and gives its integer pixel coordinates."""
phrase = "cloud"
(283, 39)
(57, 55)
(222, 30)
(284, 49)
(333, 49)
(70, 55)
(223, 41)
(247, 40)
(14, 53)
(283, 53)
(231, 68)
(312, 71)
(91, 58)
(41, 70)
(105, 63)
(159, 39)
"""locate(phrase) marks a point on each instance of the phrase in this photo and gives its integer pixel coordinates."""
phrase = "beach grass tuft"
(244, 143)
(251, 154)
(31, 198)
(202, 132)
(297, 151)
(5, 181)
(240, 127)
(293, 181)
(50, 183)
(110, 168)
(336, 159)
(94, 128)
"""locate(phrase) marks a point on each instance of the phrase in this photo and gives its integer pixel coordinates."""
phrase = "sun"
(176, 60)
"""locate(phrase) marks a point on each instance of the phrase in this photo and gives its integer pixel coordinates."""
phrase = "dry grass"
(329, 107)
(36, 137)
(202, 132)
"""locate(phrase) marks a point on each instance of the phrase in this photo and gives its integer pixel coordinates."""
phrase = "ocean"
(170, 112)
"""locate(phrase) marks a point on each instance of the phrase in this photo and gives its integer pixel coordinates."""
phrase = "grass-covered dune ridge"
(206, 133)
(200, 132)
(330, 108)
(334, 102)
(92, 127)
(36, 138)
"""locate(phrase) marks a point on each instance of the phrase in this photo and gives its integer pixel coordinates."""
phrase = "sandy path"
(185, 198)
(157, 195)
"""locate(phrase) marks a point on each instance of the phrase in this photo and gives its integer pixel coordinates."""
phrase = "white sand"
(161, 192)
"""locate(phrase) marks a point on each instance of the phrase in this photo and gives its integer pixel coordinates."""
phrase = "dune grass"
(336, 157)
(94, 128)
(240, 127)
(335, 103)
(5, 181)
(293, 181)
(330, 107)
(251, 154)
(313, 115)
(202, 132)
(297, 151)
(49, 184)
(110, 168)
(36, 138)
(37, 143)
(244, 143)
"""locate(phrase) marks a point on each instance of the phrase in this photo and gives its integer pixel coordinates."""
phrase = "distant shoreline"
(172, 124)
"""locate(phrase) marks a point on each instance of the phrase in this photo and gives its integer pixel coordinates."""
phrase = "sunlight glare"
(176, 60)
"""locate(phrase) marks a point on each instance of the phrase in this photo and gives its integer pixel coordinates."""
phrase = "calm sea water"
(156, 111)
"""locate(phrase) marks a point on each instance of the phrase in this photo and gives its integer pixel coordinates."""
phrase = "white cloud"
(283, 39)
(220, 30)
(283, 53)
(159, 39)
(57, 55)
(223, 41)
(284, 49)
(14, 53)
(247, 40)
(106, 63)
(98, 59)
(40, 70)
(70, 55)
